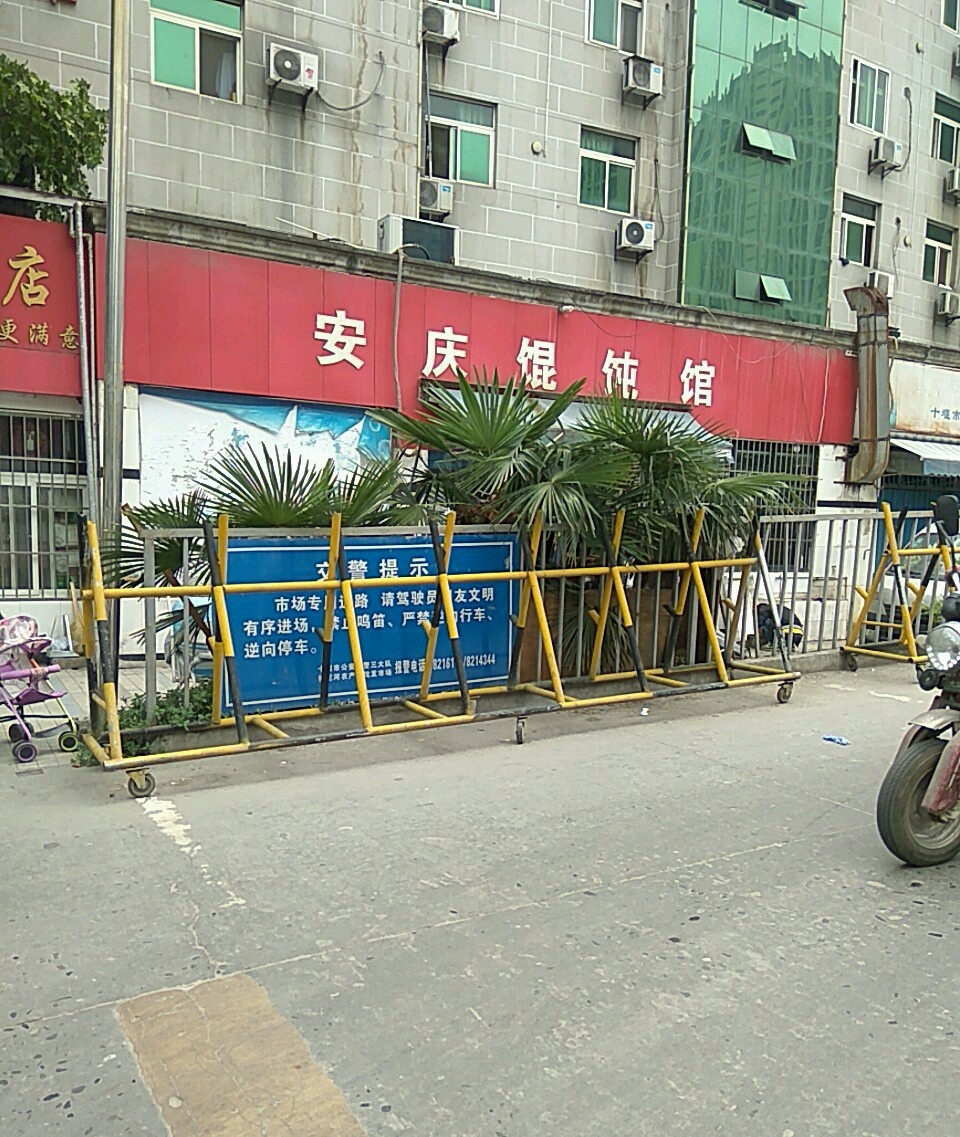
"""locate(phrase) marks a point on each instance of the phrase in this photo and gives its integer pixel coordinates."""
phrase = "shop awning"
(936, 458)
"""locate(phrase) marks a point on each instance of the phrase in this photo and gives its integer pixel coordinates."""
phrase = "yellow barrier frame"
(908, 610)
(337, 581)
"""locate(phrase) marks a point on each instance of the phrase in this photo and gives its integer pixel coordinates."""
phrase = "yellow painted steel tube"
(99, 701)
(434, 632)
(715, 648)
(421, 724)
(694, 545)
(267, 727)
(523, 607)
(427, 712)
(223, 529)
(96, 749)
(860, 619)
(329, 599)
(356, 655)
(547, 640)
(606, 700)
(906, 613)
(899, 656)
(169, 756)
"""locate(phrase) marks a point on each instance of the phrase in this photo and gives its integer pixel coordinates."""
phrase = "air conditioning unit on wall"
(882, 282)
(292, 69)
(885, 155)
(635, 235)
(642, 79)
(436, 197)
(440, 24)
(948, 306)
(951, 185)
(426, 240)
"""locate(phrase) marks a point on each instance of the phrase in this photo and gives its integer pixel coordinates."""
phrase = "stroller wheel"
(24, 751)
(67, 741)
(15, 732)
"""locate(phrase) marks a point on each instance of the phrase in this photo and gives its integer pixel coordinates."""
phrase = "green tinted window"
(474, 157)
(174, 54)
(593, 179)
(214, 12)
(939, 233)
(620, 179)
(608, 144)
(604, 22)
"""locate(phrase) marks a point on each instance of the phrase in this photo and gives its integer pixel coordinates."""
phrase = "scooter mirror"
(946, 512)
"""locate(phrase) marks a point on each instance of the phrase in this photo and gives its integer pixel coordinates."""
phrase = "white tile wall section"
(909, 41)
(338, 173)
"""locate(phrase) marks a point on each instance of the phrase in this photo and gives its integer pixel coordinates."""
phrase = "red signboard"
(219, 322)
(39, 337)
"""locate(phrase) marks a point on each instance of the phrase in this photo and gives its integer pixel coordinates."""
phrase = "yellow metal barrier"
(652, 682)
(904, 647)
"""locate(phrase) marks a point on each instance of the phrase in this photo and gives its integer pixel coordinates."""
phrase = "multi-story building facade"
(665, 199)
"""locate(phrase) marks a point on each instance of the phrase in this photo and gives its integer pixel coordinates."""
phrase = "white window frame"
(468, 7)
(939, 122)
(640, 5)
(943, 276)
(475, 128)
(198, 25)
(609, 160)
(868, 225)
(856, 88)
(955, 26)
(33, 483)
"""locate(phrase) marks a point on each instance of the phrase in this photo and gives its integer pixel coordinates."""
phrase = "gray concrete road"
(682, 923)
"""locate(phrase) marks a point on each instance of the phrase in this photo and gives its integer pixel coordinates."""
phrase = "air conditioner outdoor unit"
(948, 306)
(882, 282)
(951, 185)
(885, 155)
(441, 24)
(635, 235)
(436, 197)
(956, 62)
(424, 240)
(291, 68)
(642, 78)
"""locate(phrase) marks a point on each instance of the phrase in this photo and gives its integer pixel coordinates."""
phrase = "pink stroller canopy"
(18, 630)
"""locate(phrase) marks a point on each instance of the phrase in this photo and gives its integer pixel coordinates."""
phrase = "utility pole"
(110, 519)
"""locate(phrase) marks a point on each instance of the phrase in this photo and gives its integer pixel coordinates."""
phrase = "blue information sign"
(275, 635)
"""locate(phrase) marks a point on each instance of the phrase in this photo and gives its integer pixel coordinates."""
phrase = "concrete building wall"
(266, 164)
(911, 43)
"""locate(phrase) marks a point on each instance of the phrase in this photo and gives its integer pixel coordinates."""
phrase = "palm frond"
(269, 489)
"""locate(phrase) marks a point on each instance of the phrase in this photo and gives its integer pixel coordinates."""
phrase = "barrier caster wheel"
(15, 733)
(521, 730)
(142, 788)
(67, 741)
(24, 751)
(850, 662)
(785, 693)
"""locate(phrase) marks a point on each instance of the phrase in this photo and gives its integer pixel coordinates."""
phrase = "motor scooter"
(918, 807)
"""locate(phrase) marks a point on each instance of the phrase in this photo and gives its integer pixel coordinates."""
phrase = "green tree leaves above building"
(48, 138)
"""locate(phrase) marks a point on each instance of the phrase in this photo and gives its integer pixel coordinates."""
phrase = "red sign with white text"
(219, 322)
(39, 336)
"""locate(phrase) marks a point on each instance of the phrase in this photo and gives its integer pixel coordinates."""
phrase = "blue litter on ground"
(838, 739)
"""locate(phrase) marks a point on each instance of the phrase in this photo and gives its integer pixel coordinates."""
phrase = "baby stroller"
(24, 683)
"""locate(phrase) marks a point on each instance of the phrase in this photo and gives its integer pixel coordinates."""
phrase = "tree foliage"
(48, 138)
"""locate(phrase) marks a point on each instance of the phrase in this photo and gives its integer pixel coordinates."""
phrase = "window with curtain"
(460, 139)
(858, 229)
(607, 165)
(938, 253)
(946, 129)
(618, 23)
(196, 46)
(868, 96)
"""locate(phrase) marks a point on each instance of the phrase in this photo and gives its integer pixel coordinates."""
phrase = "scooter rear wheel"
(908, 831)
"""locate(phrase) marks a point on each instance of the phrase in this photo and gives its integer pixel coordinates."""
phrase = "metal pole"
(89, 441)
(116, 257)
